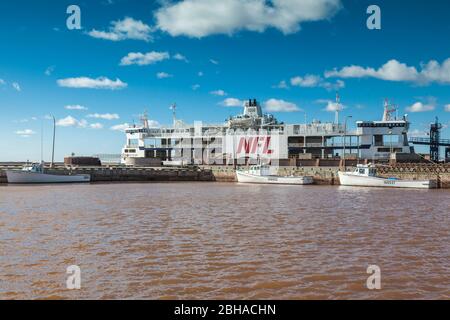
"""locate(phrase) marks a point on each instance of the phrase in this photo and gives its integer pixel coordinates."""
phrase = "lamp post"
(390, 146)
(345, 134)
(53, 144)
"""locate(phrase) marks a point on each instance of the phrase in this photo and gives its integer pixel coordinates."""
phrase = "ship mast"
(53, 147)
(338, 105)
(144, 119)
(173, 107)
(389, 109)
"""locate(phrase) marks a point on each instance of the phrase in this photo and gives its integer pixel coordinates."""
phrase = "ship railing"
(170, 135)
(322, 145)
(318, 132)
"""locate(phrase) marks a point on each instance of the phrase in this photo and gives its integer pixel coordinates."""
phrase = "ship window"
(133, 142)
(361, 171)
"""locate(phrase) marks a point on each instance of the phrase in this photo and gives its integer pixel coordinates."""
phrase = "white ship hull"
(244, 177)
(24, 177)
(348, 179)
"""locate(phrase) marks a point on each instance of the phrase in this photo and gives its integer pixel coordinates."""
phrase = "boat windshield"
(365, 171)
(33, 168)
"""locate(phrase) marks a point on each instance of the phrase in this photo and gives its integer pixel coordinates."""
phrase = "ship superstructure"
(254, 134)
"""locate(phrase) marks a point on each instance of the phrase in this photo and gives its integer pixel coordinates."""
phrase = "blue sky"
(136, 55)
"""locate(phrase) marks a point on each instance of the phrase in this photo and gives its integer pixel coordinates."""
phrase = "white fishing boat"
(35, 174)
(366, 176)
(261, 174)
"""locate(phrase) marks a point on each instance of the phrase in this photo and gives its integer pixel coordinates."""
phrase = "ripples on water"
(223, 241)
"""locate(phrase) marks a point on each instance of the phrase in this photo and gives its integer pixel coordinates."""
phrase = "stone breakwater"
(120, 174)
(322, 175)
(329, 175)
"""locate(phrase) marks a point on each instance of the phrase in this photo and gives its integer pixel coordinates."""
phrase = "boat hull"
(363, 181)
(244, 177)
(23, 177)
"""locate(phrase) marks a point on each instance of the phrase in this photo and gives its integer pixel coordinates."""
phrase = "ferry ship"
(254, 135)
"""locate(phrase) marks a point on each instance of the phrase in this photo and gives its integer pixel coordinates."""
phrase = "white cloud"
(89, 83)
(75, 107)
(201, 18)
(49, 70)
(394, 70)
(179, 56)
(195, 87)
(219, 93)
(339, 84)
(420, 107)
(127, 28)
(307, 81)
(417, 133)
(153, 123)
(96, 126)
(25, 133)
(163, 75)
(2, 82)
(313, 81)
(200, 73)
(143, 59)
(16, 86)
(105, 116)
(281, 85)
(70, 121)
(232, 102)
(447, 108)
(276, 105)
(331, 106)
(214, 61)
(120, 127)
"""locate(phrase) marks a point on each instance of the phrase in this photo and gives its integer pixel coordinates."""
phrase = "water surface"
(223, 241)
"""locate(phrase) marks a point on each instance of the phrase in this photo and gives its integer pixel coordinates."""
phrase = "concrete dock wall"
(322, 175)
(329, 175)
(120, 174)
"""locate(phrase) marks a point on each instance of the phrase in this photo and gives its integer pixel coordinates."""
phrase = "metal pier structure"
(434, 141)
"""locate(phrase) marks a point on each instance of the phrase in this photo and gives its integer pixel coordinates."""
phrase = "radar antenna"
(389, 109)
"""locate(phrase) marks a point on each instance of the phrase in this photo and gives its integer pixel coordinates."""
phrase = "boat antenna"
(53, 147)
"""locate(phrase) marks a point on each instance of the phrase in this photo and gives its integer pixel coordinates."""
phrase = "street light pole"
(390, 146)
(53, 145)
(345, 134)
